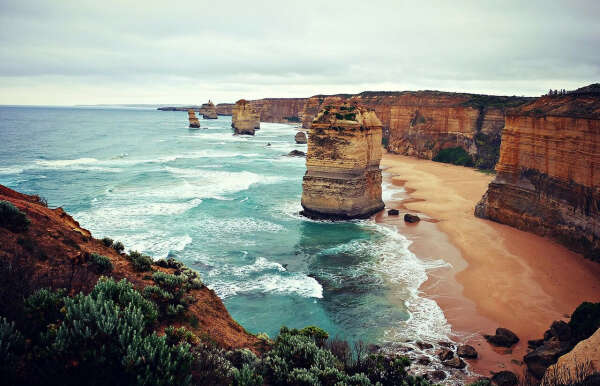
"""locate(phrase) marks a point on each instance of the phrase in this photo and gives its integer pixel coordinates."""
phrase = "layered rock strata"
(548, 175)
(343, 179)
(194, 122)
(208, 110)
(245, 120)
(422, 123)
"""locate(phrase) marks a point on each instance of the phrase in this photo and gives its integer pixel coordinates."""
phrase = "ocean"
(227, 206)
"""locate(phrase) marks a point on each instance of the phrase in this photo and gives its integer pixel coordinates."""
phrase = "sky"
(64, 52)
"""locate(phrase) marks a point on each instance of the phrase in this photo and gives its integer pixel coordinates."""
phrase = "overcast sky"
(86, 52)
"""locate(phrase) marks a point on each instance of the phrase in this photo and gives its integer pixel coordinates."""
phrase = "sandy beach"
(497, 276)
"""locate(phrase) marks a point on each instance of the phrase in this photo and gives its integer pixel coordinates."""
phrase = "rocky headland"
(208, 110)
(245, 120)
(343, 178)
(547, 178)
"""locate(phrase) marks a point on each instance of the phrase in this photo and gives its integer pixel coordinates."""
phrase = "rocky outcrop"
(279, 110)
(586, 354)
(503, 338)
(300, 137)
(422, 123)
(548, 179)
(343, 179)
(56, 252)
(208, 110)
(194, 122)
(245, 120)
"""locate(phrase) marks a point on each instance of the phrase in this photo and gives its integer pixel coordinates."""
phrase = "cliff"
(279, 110)
(343, 179)
(194, 123)
(422, 123)
(225, 108)
(547, 177)
(208, 110)
(245, 120)
(55, 251)
(573, 364)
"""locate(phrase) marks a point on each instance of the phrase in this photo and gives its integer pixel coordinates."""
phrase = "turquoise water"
(228, 207)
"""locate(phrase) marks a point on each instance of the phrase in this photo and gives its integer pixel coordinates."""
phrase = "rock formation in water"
(422, 123)
(300, 137)
(208, 110)
(548, 175)
(194, 122)
(245, 120)
(343, 179)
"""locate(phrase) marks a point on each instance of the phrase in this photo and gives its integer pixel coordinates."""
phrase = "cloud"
(187, 51)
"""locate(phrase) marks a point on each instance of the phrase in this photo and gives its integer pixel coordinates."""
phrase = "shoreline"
(497, 276)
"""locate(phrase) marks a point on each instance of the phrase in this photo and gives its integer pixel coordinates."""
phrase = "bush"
(454, 155)
(12, 346)
(319, 335)
(101, 263)
(118, 246)
(122, 293)
(42, 308)
(141, 263)
(12, 218)
(179, 335)
(107, 241)
(246, 376)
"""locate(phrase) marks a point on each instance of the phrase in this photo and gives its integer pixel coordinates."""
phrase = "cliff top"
(581, 103)
(347, 115)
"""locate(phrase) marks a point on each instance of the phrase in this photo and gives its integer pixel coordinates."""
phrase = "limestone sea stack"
(194, 122)
(343, 179)
(244, 120)
(548, 174)
(208, 110)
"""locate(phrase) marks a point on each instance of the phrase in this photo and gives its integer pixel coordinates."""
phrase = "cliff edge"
(548, 179)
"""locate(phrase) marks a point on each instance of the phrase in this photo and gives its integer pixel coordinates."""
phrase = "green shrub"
(241, 357)
(454, 155)
(118, 246)
(107, 241)
(101, 263)
(246, 376)
(123, 294)
(141, 263)
(12, 218)
(319, 335)
(179, 335)
(42, 308)
(12, 346)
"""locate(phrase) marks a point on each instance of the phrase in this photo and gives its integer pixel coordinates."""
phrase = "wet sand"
(498, 276)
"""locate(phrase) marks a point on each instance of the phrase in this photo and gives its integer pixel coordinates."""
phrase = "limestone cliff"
(208, 110)
(343, 179)
(279, 110)
(225, 108)
(548, 179)
(569, 366)
(422, 123)
(194, 123)
(245, 120)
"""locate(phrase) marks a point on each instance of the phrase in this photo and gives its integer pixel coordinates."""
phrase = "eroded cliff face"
(208, 110)
(343, 179)
(422, 123)
(225, 108)
(548, 175)
(279, 110)
(245, 120)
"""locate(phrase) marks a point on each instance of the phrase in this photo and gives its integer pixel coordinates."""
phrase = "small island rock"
(300, 137)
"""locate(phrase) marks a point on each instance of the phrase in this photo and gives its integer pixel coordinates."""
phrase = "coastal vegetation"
(455, 156)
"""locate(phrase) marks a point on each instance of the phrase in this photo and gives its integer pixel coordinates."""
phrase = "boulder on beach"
(505, 378)
(420, 345)
(444, 354)
(466, 351)
(411, 218)
(300, 137)
(503, 338)
(394, 212)
(455, 363)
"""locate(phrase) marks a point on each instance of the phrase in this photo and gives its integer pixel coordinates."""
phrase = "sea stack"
(244, 118)
(548, 175)
(208, 110)
(343, 179)
(194, 122)
(300, 137)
